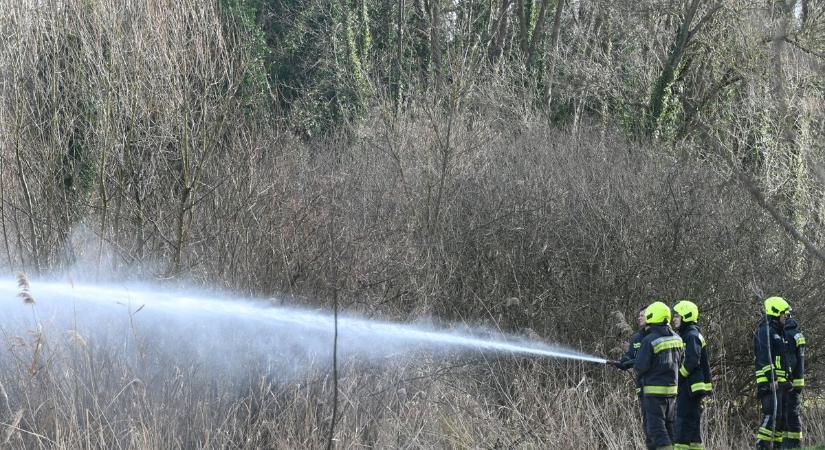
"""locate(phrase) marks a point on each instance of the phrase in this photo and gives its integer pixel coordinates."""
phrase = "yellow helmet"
(776, 306)
(657, 313)
(688, 310)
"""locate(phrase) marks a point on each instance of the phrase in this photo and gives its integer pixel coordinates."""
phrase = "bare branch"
(805, 49)
(750, 184)
(759, 196)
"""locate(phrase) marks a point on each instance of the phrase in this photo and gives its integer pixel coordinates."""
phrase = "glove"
(785, 386)
(765, 389)
(614, 363)
(700, 394)
(797, 390)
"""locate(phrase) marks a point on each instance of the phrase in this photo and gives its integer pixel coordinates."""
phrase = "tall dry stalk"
(28, 299)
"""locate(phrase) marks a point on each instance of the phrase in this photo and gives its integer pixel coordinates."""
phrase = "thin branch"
(805, 49)
(759, 196)
(333, 263)
(30, 433)
(331, 437)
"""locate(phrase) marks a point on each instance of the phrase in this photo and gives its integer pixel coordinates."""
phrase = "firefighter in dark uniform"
(795, 342)
(771, 364)
(694, 378)
(628, 359)
(657, 365)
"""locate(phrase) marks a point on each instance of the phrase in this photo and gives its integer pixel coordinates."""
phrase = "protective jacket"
(770, 355)
(795, 342)
(629, 357)
(657, 361)
(694, 374)
(628, 360)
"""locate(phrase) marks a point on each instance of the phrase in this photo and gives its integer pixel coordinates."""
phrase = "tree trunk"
(104, 207)
(554, 43)
(3, 214)
(523, 26)
(682, 39)
(27, 197)
(605, 100)
(397, 89)
(435, 43)
(538, 32)
(496, 45)
(785, 117)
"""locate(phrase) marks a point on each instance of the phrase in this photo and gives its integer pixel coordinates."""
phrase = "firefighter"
(771, 364)
(796, 361)
(657, 365)
(628, 359)
(694, 377)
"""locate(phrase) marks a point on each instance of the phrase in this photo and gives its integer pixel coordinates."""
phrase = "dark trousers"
(767, 433)
(644, 421)
(791, 404)
(688, 419)
(659, 413)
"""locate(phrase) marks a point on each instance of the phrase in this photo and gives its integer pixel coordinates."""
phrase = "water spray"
(264, 328)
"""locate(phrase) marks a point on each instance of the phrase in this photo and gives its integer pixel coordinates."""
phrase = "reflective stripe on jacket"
(694, 373)
(657, 361)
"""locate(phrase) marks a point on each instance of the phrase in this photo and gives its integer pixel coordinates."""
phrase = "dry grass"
(91, 395)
